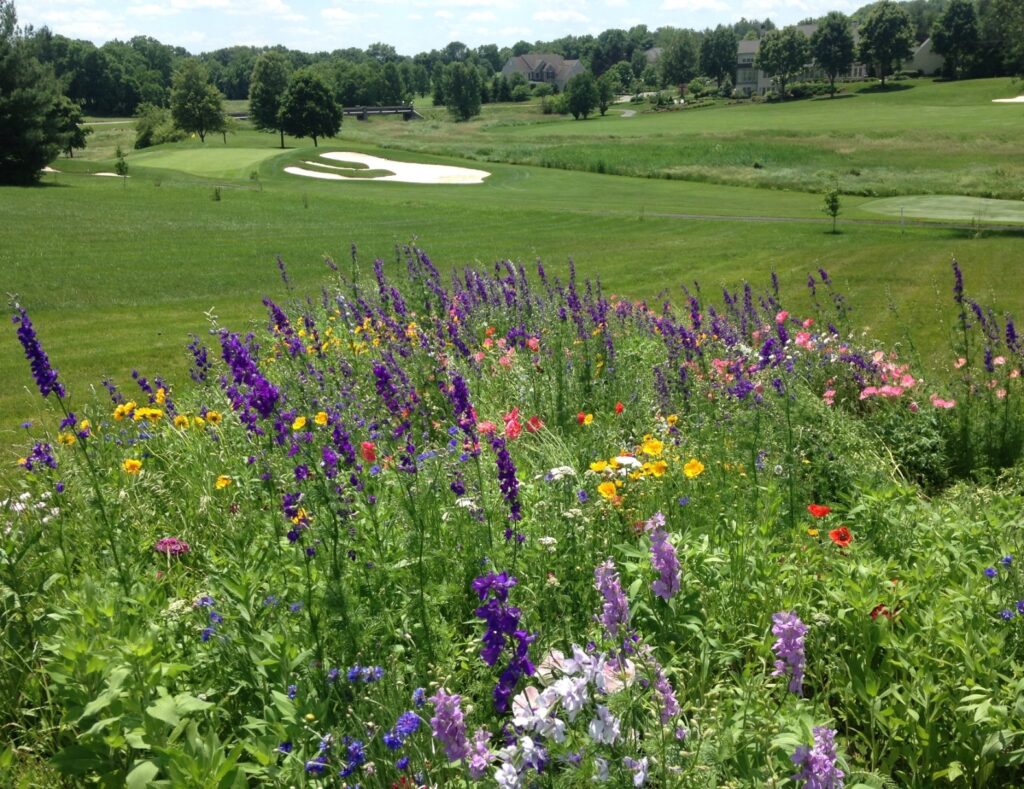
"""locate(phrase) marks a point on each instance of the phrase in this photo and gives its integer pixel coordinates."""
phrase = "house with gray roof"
(540, 67)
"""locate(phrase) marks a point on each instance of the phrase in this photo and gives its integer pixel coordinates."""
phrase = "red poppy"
(818, 510)
(881, 610)
(533, 424)
(580, 418)
(619, 407)
(841, 537)
(368, 451)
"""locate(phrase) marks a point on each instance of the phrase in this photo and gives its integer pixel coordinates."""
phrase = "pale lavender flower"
(817, 764)
(789, 648)
(448, 724)
(615, 611)
(639, 769)
(480, 757)
(604, 729)
(663, 559)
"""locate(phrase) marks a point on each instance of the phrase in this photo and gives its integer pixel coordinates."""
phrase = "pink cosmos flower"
(533, 344)
(938, 402)
(781, 316)
(486, 427)
(960, 363)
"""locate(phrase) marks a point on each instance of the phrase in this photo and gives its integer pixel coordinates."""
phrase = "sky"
(410, 26)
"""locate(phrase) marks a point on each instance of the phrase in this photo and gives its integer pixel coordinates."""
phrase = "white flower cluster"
(23, 505)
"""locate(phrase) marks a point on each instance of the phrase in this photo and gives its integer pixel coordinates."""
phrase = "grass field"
(117, 273)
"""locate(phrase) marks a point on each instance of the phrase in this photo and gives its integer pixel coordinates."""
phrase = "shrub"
(154, 126)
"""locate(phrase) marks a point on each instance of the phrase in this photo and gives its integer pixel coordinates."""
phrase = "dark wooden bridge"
(408, 112)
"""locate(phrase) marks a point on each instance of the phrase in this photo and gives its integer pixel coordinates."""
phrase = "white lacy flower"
(561, 472)
(507, 777)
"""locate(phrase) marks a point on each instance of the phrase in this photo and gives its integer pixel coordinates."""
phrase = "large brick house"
(543, 67)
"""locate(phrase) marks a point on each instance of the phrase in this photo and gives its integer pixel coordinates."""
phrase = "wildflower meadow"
(500, 527)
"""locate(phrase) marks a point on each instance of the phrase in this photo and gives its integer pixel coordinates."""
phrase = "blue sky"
(410, 26)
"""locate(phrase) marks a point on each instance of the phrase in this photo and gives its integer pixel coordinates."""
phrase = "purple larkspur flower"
(480, 756)
(789, 648)
(663, 559)
(615, 609)
(818, 769)
(507, 479)
(42, 371)
(448, 724)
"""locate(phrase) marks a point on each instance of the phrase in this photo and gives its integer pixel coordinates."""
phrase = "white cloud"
(192, 5)
(150, 10)
(339, 15)
(515, 31)
(481, 16)
(695, 5)
(568, 15)
(444, 14)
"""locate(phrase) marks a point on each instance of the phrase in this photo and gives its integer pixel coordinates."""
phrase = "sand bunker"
(110, 175)
(405, 172)
(50, 170)
(1015, 100)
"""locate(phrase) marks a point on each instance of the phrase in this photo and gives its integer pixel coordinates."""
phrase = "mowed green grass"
(920, 137)
(214, 162)
(954, 209)
(116, 276)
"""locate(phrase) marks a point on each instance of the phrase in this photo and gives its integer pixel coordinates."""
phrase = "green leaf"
(164, 709)
(77, 760)
(141, 776)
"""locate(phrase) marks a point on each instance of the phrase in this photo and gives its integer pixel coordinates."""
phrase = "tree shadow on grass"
(892, 87)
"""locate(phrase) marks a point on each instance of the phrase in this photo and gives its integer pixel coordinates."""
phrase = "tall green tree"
(196, 105)
(886, 37)
(308, 109)
(72, 132)
(30, 127)
(605, 92)
(267, 85)
(462, 88)
(955, 36)
(783, 54)
(678, 62)
(832, 47)
(718, 53)
(581, 95)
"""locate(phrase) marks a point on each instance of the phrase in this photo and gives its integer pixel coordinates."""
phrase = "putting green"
(949, 207)
(215, 161)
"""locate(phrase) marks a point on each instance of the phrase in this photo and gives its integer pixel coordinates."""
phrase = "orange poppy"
(818, 510)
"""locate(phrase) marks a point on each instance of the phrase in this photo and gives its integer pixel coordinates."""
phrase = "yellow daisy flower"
(693, 468)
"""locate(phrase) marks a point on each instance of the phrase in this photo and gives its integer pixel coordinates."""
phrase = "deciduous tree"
(267, 86)
(783, 54)
(308, 109)
(718, 53)
(462, 90)
(196, 105)
(886, 37)
(832, 47)
(581, 95)
(955, 36)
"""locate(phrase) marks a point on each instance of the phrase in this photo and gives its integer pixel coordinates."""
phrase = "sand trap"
(110, 175)
(405, 172)
(1015, 100)
(50, 170)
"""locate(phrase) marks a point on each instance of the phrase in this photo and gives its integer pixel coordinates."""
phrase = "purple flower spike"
(789, 648)
(817, 764)
(42, 371)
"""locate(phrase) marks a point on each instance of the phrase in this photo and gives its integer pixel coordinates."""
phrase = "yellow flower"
(161, 396)
(85, 424)
(22, 461)
(132, 466)
(67, 439)
(588, 419)
(222, 482)
(320, 418)
(658, 468)
(607, 490)
(812, 532)
(213, 417)
(181, 421)
(693, 468)
(652, 446)
(152, 414)
(198, 422)
(671, 419)
(299, 423)
(598, 466)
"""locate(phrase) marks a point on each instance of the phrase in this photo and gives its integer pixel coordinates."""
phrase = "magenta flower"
(171, 546)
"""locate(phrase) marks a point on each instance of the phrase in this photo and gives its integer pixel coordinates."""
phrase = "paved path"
(628, 113)
(817, 221)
